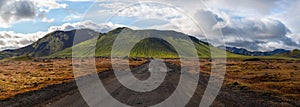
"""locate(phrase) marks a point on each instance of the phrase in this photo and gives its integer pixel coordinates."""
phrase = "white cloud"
(177, 20)
(13, 11)
(78, 0)
(13, 40)
(73, 17)
(148, 11)
(113, 5)
(263, 25)
(105, 27)
(246, 7)
(47, 5)
(257, 33)
(131, 9)
(270, 46)
(183, 24)
(290, 16)
(48, 20)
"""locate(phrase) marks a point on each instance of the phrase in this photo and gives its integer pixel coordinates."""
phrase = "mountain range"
(49, 44)
(149, 47)
(243, 51)
(61, 43)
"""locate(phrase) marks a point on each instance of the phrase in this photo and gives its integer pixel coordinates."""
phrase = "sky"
(257, 25)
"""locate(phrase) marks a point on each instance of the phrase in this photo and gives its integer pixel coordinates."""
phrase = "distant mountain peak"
(243, 51)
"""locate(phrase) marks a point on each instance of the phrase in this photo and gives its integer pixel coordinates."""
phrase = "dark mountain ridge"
(243, 51)
(50, 43)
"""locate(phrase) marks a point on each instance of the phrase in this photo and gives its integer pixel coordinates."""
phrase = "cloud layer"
(12, 40)
(253, 33)
(103, 28)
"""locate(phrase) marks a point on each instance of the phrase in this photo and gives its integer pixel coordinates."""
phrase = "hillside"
(49, 44)
(150, 47)
(292, 54)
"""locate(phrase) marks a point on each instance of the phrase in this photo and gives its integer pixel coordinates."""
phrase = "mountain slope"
(292, 54)
(150, 47)
(49, 44)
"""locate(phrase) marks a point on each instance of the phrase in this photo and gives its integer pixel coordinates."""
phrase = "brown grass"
(279, 77)
(23, 76)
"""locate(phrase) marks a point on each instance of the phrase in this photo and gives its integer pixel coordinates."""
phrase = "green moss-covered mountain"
(149, 47)
(50, 44)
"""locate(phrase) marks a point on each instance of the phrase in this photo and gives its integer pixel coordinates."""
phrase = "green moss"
(19, 58)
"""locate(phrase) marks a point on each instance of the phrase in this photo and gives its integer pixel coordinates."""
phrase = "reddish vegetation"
(22, 76)
(278, 77)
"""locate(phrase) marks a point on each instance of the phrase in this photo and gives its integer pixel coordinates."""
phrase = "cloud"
(290, 16)
(155, 11)
(246, 7)
(48, 20)
(182, 24)
(254, 33)
(12, 40)
(270, 32)
(44, 17)
(73, 17)
(79, 0)
(141, 15)
(47, 5)
(113, 5)
(260, 28)
(127, 9)
(274, 22)
(14, 11)
(105, 27)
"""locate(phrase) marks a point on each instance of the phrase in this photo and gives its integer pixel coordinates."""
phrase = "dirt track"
(67, 94)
